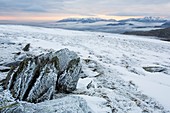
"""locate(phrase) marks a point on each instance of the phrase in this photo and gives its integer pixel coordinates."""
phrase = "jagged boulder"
(37, 79)
(26, 48)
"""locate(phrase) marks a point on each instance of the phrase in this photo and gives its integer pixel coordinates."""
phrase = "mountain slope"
(119, 73)
(163, 34)
(166, 24)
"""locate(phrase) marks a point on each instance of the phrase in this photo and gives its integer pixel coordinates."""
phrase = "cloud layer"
(85, 7)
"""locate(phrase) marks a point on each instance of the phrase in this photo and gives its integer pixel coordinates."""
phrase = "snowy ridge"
(116, 76)
(85, 20)
(146, 19)
(93, 20)
(110, 25)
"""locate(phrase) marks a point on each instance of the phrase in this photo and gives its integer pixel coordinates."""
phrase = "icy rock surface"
(37, 79)
(62, 105)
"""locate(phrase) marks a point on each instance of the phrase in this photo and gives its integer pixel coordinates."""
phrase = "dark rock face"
(4, 69)
(37, 79)
(26, 48)
(12, 64)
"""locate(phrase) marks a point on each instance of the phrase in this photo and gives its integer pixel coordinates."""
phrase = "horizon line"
(57, 18)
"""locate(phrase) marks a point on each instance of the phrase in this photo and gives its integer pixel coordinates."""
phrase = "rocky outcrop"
(12, 64)
(26, 48)
(153, 69)
(60, 105)
(39, 78)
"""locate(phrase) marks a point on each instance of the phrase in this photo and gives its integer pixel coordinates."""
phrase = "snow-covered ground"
(115, 66)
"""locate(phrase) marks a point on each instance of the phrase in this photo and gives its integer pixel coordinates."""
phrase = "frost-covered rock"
(62, 105)
(37, 79)
(154, 69)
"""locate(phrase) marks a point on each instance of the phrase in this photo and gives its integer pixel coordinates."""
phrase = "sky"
(39, 10)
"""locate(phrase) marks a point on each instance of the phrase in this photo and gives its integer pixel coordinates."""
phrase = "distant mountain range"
(145, 19)
(93, 20)
(86, 20)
